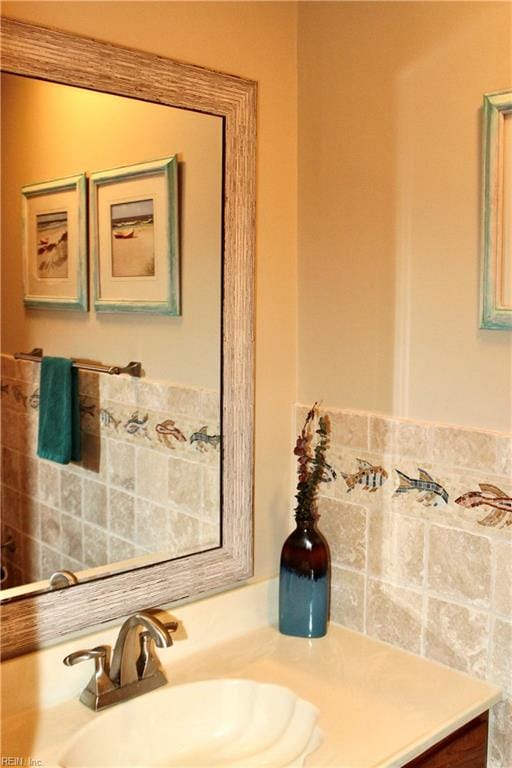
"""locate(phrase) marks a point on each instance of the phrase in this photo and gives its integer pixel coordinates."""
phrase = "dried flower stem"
(312, 465)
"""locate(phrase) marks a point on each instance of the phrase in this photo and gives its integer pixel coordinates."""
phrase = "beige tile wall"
(430, 579)
(138, 490)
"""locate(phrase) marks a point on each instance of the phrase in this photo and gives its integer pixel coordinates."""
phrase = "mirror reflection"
(147, 486)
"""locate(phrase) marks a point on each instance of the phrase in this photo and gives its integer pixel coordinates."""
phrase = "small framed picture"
(496, 284)
(54, 219)
(134, 215)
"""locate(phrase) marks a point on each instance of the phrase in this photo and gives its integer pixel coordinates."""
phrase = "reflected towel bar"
(132, 369)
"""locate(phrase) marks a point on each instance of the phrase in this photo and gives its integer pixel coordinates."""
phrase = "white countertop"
(379, 706)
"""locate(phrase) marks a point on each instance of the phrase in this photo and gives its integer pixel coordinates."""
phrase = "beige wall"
(389, 208)
(71, 131)
(258, 41)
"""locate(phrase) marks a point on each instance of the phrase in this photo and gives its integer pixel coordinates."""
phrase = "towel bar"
(133, 368)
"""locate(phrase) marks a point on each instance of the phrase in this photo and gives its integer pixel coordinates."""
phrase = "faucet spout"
(125, 655)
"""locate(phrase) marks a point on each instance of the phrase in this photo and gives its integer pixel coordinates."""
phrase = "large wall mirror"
(159, 506)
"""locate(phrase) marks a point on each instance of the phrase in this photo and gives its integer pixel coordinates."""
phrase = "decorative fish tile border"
(452, 496)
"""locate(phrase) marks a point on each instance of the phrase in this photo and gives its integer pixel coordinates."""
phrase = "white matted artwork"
(496, 293)
(134, 215)
(55, 244)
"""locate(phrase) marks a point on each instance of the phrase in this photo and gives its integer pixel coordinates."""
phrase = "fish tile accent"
(491, 496)
(370, 477)
(432, 493)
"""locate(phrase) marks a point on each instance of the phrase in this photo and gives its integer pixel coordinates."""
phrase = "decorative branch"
(313, 468)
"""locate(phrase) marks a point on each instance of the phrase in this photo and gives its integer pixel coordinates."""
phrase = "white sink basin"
(210, 723)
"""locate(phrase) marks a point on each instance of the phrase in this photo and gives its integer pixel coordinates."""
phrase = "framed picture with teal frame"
(496, 291)
(134, 238)
(54, 244)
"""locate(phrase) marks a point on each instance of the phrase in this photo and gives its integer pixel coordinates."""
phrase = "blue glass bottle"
(304, 582)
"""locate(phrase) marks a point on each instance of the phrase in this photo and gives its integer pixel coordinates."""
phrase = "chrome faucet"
(132, 671)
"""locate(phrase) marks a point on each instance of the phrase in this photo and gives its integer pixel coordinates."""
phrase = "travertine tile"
(122, 514)
(394, 615)
(72, 537)
(209, 536)
(29, 475)
(70, 564)
(27, 371)
(210, 405)
(150, 525)
(211, 494)
(95, 503)
(27, 425)
(31, 558)
(399, 437)
(71, 493)
(464, 448)
(30, 516)
(11, 508)
(344, 527)
(501, 655)
(152, 395)
(51, 561)
(10, 468)
(50, 526)
(122, 388)
(20, 393)
(396, 548)
(151, 475)
(11, 433)
(185, 481)
(183, 533)
(501, 735)
(121, 464)
(49, 483)
(347, 598)
(504, 456)
(381, 434)
(349, 428)
(184, 401)
(502, 593)
(460, 565)
(457, 636)
(94, 545)
(119, 549)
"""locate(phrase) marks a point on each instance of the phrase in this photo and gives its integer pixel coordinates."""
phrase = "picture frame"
(54, 244)
(496, 281)
(134, 238)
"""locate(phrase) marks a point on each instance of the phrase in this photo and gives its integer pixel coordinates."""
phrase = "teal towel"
(59, 411)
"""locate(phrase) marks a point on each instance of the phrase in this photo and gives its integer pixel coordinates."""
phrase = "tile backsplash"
(419, 524)
(148, 481)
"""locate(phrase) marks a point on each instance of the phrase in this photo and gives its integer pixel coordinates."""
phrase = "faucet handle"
(99, 654)
(100, 682)
(171, 626)
(147, 663)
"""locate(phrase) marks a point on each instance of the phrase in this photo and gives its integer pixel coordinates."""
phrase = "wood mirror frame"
(31, 620)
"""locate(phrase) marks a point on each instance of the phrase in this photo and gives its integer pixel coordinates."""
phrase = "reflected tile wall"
(147, 482)
(411, 569)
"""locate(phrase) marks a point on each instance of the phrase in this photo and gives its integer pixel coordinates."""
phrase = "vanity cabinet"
(465, 748)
